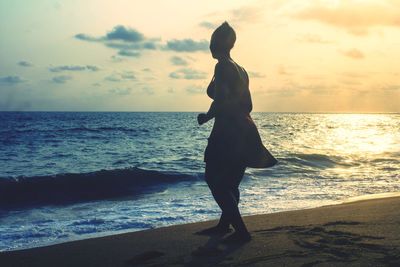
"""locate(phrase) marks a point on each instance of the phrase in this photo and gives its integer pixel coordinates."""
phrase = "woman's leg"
(225, 189)
(237, 177)
(227, 201)
(224, 186)
(234, 177)
(212, 175)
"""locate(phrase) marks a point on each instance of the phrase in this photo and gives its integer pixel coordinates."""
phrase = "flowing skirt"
(235, 140)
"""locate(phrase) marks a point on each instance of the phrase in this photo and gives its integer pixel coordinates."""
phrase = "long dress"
(234, 139)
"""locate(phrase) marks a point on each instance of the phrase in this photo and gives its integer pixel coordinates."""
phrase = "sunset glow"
(302, 56)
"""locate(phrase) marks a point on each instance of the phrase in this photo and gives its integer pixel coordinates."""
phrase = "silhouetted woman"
(234, 142)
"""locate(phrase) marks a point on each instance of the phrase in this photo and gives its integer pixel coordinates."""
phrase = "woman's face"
(217, 49)
(213, 48)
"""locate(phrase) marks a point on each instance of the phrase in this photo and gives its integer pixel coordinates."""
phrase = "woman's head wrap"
(224, 37)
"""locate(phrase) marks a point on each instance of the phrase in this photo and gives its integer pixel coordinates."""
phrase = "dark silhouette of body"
(234, 142)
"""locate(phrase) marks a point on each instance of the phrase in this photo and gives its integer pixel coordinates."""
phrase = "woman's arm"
(221, 87)
(211, 88)
(248, 101)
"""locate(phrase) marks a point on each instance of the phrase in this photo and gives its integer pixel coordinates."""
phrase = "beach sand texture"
(363, 233)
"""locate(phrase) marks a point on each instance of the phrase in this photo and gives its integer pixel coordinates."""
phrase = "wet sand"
(362, 233)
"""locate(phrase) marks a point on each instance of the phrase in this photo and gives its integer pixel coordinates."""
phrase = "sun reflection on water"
(361, 133)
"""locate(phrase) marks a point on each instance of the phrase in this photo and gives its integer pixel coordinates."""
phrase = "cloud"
(208, 25)
(73, 68)
(352, 74)
(253, 74)
(117, 58)
(188, 74)
(291, 89)
(113, 78)
(128, 53)
(120, 91)
(283, 71)
(284, 91)
(187, 45)
(148, 90)
(391, 88)
(313, 39)
(356, 17)
(320, 89)
(118, 33)
(350, 82)
(61, 79)
(25, 64)
(195, 89)
(353, 53)
(249, 14)
(178, 61)
(121, 76)
(128, 41)
(122, 33)
(128, 75)
(92, 68)
(235, 17)
(150, 45)
(67, 68)
(150, 78)
(88, 38)
(313, 77)
(11, 80)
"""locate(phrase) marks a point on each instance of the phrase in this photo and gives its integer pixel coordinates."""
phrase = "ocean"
(73, 175)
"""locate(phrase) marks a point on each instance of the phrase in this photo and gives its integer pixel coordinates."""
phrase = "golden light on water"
(362, 133)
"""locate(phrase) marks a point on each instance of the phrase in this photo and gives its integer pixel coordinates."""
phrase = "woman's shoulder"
(224, 67)
(225, 63)
(230, 69)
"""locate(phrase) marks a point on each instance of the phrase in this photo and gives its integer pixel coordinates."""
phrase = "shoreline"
(111, 233)
(371, 197)
(364, 230)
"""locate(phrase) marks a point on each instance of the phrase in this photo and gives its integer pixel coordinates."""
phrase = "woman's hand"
(202, 118)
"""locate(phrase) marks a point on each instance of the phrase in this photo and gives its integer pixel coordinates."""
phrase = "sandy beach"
(361, 233)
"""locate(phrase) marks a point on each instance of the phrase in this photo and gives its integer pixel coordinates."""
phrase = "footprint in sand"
(333, 242)
(341, 223)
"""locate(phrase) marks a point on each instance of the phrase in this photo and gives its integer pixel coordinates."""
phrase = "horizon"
(195, 111)
(328, 56)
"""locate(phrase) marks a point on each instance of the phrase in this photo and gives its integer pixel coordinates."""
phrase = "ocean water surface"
(72, 175)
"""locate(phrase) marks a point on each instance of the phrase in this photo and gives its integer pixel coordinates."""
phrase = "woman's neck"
(224, 57)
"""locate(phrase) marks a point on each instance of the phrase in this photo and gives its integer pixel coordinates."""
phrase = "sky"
(128, 55)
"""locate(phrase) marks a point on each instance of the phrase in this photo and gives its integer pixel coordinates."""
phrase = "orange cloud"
(313, 38)
(356, 18)
(236, 17)
(283, 71)
(353, 53)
